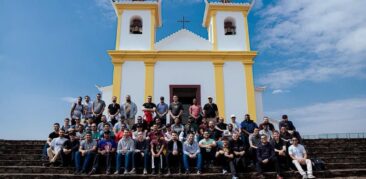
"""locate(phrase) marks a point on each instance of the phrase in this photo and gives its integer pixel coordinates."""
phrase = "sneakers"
(126, 172)
(116, 173)
(311, 176)
(168, 173)
(304, 176)
(108, 172)
(92, 172)
(198, 172)
(153, 172)
(145, 171)
(133, 171)
(224, 172)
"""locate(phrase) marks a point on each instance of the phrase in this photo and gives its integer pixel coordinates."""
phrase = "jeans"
(67, 158)
(137, 158)
(198, 159)
(88, 159)
(127, 157)
(44, 150)
(260, 166)
(107, 157)
(173, 159)
(207, 157)
(240, 161)
(224, 161)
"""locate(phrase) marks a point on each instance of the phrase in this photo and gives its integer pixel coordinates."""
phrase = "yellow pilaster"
(118, 36)
(248, 69)
(214, 30)
(149, 77)
(219, 86)
(117, 78)
(246, 28)
(152, 44)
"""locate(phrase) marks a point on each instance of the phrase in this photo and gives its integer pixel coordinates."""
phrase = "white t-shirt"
(298, 151)
(57, 143)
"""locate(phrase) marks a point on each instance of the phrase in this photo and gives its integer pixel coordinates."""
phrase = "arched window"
(229, 25)
(136, 25)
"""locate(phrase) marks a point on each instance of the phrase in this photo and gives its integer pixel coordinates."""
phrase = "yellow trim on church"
(119, 7)
(214, 31)
(149, 77)
(152, 32)
(118, 36)
(220, 7)
(219, 85)
(117, 79)
(248, 70)
(246, 29)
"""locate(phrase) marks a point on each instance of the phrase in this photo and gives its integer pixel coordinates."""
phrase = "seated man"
(106, 150)
(238, 148)
(138, 130)
(53, 151)
(104, 121)
(254, 142)
(51, 136)
(225, 156)
(299, 157)
(207, 146)
(228, 133)
(107, 128)
(94, 132)
(174, 152)
(125, 149)
(157, 156)
(141, 152)
(280, 149)
(266, 157)
(287, 124)
(69, 150)
(87, 151)
(191, 151)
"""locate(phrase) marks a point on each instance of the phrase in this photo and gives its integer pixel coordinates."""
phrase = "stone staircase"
(345, 158)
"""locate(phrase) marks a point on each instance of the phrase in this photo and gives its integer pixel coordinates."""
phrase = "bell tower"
(137, 21)
(227, 25)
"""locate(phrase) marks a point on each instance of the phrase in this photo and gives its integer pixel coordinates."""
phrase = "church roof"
(183, 40)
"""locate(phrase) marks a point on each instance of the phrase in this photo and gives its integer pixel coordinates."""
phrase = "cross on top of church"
(183, 21)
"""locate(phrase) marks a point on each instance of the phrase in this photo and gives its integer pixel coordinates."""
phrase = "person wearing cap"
(235, 123)
(162, 110)
(149, 109)
(139, 129)
(195, 112)
(175, 110)
(210, 110)
(141, 122)
(106, 151)
(129, 111)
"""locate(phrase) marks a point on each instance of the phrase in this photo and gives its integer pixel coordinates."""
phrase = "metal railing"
(360, 135)
(230, 1)
(134, 1)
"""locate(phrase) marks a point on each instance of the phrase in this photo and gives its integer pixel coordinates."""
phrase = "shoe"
(311, 176)
(153, 172)
(125, 173)
(279, 177)
(198, 172)
(77, 172)
(160, 172)
(168, 173)
(108, 172)
(261, 176)
(145, 172)
(179, 172)
(92, 172)
(304, 176)
(234, 177)
(133, 171)
(224, 172)
(187, 172)
(116, 173)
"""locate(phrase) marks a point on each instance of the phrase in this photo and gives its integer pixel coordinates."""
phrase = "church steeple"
(137, 21)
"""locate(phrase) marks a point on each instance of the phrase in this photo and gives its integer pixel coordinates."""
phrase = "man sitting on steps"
(299, 157)
(53, 151)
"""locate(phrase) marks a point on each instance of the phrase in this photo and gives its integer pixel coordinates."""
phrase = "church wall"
(133, 82)
(135, 41)
(230, 42)
(235, 90)
(184, 73)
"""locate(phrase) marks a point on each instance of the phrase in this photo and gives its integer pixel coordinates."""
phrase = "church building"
(183, 63)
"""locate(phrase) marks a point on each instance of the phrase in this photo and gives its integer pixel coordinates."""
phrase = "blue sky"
(311, 59)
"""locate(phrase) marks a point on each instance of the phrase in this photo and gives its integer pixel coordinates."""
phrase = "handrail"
(359, 135)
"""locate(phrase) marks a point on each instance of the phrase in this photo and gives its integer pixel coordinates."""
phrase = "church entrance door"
(186, 93)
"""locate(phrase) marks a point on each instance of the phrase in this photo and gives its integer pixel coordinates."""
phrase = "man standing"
(191, 151)
(125, 149)
(88, 105)
(195, 111)
(77, 110)
(87, 150)
(299, 156)
(106, 150)
(162, 110)
(266, 157)
(174, 152)
(98, 108)
(113, 111)
(56, 145)
(175, 110)
(149, 109)
(129, 111)
(210, 111)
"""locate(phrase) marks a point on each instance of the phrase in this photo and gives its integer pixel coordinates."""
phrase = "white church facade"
(185, 64)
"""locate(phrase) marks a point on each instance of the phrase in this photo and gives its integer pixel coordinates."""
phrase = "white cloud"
(279, 91)
(328, 35)
(340, 116)
(69, 99)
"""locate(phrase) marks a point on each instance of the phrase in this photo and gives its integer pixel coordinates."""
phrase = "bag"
(318, 164)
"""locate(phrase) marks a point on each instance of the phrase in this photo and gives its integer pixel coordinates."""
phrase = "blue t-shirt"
(249, 126)
(107, 144)
(161, 108)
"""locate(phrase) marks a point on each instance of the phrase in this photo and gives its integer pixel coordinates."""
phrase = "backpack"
(318, 164)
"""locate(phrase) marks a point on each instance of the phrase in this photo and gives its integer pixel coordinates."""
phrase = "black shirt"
(210, 110)
(73, 145)
(53, 135)
(175, 108)
(265, 152)
(143, 123)
(278, 145)
(149, 105)
(237, 145)
(113, 108)
(142, 146)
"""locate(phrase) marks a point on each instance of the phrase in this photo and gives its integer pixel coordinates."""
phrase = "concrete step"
(331, 166)
(21, 151)
(348, 159)
(20, 156)
(333, 141)
(339, 154)
(22, 142)
(341, 173)
(20, 147)
(335, 149)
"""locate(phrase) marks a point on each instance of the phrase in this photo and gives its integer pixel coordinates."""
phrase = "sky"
(312, 59)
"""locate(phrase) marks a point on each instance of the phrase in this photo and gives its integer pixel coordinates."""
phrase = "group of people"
(115, 143)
